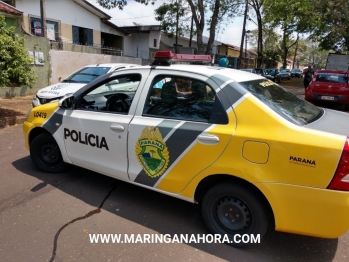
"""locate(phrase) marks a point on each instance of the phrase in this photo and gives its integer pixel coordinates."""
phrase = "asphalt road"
(48, 217)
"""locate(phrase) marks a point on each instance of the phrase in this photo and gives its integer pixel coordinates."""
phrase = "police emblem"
(152, 152)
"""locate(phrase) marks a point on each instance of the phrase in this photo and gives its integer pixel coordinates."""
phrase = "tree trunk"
(177, 19)
(295, 52)
(260, 40)
(199, 22)
(285, 48)
(214, 21)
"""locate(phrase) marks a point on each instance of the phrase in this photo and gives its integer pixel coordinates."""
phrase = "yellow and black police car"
(252, 153)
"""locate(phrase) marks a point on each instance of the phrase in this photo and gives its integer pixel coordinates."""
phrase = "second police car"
(75, 81)
(254, 154)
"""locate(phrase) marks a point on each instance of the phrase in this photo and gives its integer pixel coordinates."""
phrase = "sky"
(142, 14)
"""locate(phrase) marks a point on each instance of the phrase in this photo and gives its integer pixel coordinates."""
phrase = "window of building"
(82, 36)
(52, 27)
(10, 2)
(155, 42)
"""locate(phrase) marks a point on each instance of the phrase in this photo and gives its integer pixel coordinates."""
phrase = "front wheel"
(232, 210)
(46, 155)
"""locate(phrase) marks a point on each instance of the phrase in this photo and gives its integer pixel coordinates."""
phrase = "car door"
(178, 130)
(95, 133)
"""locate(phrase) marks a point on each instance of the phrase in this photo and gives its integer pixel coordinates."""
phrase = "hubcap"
(233, 214)
(50, 153)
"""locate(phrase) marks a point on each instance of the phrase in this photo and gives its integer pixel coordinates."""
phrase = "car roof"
(221, 72)
(112, 65)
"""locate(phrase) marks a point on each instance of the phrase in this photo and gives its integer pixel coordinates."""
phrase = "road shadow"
(168, 215)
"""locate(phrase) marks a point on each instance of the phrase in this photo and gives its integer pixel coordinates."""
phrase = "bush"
(15, 62)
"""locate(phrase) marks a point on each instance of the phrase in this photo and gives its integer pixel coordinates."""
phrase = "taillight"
(340, 180)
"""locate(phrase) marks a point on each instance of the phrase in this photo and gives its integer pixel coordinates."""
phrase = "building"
(13, 16)
(72, 21)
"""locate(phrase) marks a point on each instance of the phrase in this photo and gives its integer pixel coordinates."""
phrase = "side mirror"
(66, 102)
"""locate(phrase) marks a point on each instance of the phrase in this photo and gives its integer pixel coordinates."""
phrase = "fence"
(68, 46)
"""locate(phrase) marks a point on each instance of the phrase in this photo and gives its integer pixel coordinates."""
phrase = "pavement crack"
(89, 214)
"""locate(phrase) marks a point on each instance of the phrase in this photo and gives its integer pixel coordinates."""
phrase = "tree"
(15, 62)
(292, 16)
(174, 17)
(219, 9)
(331, 24)
(257, 7)
(271, 58)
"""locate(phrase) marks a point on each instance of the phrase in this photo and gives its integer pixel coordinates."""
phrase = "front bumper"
(27, 127)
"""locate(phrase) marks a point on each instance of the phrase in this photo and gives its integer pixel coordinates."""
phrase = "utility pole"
(177, 18)
(191, 31)
(243, 35)
(43, 17)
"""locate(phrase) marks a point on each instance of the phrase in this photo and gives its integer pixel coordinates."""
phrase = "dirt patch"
(13, 110)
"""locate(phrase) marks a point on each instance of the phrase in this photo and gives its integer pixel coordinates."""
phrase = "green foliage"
(271, 58)
(109, 4)
(15, 62)
(332, 24)
(167, 14)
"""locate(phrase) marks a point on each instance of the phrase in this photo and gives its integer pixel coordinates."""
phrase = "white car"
(74, 82)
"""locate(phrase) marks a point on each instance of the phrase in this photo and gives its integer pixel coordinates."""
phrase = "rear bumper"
(327, 98)
(308, 211)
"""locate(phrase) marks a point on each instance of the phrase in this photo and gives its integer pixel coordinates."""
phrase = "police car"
(250, 152)
(74, 82)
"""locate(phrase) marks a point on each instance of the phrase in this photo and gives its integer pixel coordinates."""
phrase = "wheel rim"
(232, 214)
(49, 153)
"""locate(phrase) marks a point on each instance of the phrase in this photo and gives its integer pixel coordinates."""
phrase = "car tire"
(233, 210)
(46, 155)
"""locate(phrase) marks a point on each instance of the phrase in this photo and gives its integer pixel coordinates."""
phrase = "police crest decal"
(152, 152)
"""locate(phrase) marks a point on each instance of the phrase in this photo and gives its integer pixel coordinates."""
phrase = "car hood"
(332, 121)
(59, 90)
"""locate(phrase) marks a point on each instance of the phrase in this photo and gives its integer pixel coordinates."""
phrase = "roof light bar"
(169, 57)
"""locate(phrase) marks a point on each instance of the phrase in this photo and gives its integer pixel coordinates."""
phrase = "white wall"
(154, 35)
(132, 42)
(67, 11)
(171, 41)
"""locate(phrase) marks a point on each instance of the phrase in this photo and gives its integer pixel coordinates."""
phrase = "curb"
(10, 121)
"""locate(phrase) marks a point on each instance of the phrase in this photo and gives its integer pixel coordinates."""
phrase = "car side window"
(180, 98)
(114, 95)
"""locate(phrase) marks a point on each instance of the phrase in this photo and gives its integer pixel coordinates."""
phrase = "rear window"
(283, 102)
(332, 77)
(87, 74)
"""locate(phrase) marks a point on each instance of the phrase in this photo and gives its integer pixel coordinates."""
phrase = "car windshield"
(283, 102)
(87, 74)
(332, 77)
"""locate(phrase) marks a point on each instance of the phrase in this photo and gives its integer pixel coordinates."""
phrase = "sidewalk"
(14, 110)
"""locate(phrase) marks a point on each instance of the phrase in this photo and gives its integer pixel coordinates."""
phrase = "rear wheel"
(232, 210)
(46, 155)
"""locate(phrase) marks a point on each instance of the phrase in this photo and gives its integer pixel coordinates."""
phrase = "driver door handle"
(208, 139)
(116, 127)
